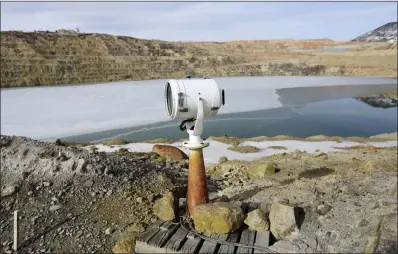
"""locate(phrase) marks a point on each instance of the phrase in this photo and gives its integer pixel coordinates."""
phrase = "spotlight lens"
(169, 99)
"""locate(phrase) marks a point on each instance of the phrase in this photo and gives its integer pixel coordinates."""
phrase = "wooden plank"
(149, 233)
(247, 236)
(140, 248)
(192, 244)
(177, 240)
(233, 238)
(164, 234)
(209, 246)
(262, 240)
(167, 225)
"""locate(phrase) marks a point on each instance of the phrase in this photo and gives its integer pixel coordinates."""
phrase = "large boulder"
(283, 221)
(258, 171)
(256, 220)
(217, 218)
(169, 152)
(165, 207)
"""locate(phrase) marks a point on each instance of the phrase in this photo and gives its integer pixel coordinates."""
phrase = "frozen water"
(218, 149)
(47, 112)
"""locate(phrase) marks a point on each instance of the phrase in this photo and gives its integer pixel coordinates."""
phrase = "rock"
(9, 190)
(139, 200)
(55, 199)
(108, 231)
(163, 177)
(89, 183)
(30, 193)
(223, 198)
(170, 152)
(283, 221)
(256, 220)
(123, 150)
(25, 175)
(321, 155)
(113, 142)
(222, 159)
(312, 243)
(285, 247)
(46, 184)
(164, 207)
(363, 223)
(258, 171)
(55, 207)
(80, 167)
(386, 232)
(137, 227)
(370, 166)
(109, 192)
(323, 209)
(217, 217)
(125, 245)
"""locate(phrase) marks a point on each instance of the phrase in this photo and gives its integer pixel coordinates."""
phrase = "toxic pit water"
(345, 118)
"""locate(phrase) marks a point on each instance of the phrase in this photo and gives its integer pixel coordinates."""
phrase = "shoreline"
(236, 140)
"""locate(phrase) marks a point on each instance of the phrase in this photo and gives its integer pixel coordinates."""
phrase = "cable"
(182, 125)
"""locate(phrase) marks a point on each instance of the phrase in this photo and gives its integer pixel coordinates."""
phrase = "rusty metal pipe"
(197, 184)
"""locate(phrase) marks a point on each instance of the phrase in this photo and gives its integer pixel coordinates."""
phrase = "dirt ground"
(74, 200)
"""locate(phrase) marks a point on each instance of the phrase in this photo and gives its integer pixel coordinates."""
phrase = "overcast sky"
(197, 21)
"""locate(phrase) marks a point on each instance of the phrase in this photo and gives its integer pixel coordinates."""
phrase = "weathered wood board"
(169, 237)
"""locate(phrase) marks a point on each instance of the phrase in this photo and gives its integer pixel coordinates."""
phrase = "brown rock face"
(258, 171)
(283, 221)
(218, 217)
(256, 220)
(164, 207)
(170, 152)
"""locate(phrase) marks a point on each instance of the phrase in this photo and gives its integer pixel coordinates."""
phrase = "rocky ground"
(78, 200)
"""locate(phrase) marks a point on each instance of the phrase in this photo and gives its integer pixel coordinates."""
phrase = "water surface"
(344, 117)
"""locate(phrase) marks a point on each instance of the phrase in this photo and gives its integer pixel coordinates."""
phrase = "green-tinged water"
(346, 117)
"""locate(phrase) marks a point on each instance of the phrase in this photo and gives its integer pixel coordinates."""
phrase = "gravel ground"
(68, 197)
(78, 200)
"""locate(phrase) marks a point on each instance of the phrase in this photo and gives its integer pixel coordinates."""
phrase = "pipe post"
(197, 183)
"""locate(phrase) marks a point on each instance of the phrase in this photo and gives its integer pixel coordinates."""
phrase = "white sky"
(203, 21)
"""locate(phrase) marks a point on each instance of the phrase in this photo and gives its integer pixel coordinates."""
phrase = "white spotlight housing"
(190, 99)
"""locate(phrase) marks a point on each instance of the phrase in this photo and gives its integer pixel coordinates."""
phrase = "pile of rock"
(231, 174)
(225, 217)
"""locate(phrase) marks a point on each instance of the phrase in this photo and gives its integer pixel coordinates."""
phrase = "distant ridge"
(387, 32)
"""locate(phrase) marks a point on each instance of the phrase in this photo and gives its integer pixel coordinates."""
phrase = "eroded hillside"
(50, 58)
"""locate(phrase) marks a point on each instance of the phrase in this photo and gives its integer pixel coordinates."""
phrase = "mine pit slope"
(387, 32)
(65, 57)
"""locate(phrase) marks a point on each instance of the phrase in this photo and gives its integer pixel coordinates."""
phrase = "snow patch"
(218, 149)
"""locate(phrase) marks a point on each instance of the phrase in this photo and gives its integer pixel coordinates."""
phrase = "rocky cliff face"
(387, 32)
(51, 58)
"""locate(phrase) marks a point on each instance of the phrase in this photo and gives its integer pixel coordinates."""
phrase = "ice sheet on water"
(70, 110)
